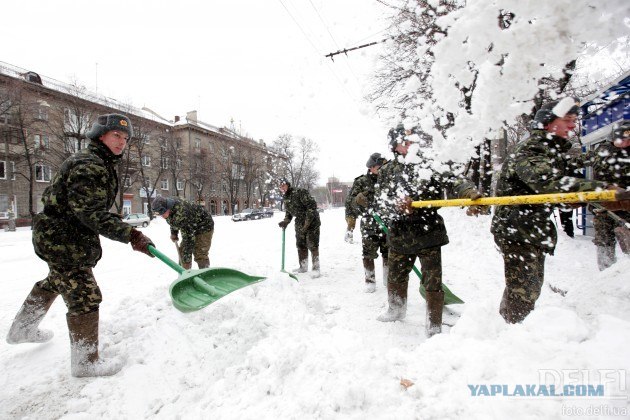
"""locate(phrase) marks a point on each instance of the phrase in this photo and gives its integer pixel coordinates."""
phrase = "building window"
(164, 162)
(146, 139)
(163, 143)
(197, 143)
(126, 182)
(164, 185)
(42, 173)
(180, 185)
(12, 170)
(42, 113)
(146, 160)
(72, 145)
(178, 164)
(3, 169)
(7, 204)
(41, 141)
(40, 205)
(5, 117)
(126, 207)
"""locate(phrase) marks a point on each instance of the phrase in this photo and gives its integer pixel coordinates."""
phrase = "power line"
(345, 89)
(333, 38)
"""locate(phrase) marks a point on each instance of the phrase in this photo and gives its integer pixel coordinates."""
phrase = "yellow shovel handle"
(577, 197)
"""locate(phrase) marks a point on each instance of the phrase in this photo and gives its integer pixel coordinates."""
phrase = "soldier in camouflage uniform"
(66, 236)
(524, 234)
(194, 222)
(373, 238)
(416, 232)
(300, 204)
(611, 165)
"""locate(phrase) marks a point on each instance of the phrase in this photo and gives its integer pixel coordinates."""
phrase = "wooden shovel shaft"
(577, 197)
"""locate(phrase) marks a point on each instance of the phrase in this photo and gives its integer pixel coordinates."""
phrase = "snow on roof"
(79, 91)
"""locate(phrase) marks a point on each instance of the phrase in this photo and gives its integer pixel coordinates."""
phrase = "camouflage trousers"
(372, 243)
(77, 287)
(400, 265)
(307, 239)
(605, 228)
(524, 267)
(203, 242)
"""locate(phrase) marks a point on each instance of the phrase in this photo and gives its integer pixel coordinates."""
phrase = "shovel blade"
(196, 289)
(449, 297)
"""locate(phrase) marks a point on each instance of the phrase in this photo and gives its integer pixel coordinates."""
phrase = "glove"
(351, 222)
(475, 210)
(348, 237)
(404, 205)
(187, 265)
(623, 205)
(361, 200)
(283, 224)
(174, 237)
(140, 242)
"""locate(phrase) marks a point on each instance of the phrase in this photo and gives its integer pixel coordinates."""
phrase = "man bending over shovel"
(194, 222)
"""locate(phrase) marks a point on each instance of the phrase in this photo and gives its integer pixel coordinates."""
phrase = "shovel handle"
(166, 260)
(283, 235)
(514, 200)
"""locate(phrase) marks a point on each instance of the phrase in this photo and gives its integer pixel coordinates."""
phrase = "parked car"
(267, 211)
(137, 219)
(248, 214)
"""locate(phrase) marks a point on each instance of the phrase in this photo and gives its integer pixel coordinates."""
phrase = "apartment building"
(43, 121)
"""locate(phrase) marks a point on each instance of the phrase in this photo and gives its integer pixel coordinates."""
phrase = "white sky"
(241, 59)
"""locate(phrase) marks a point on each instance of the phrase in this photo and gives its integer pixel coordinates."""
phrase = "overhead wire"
(333, 39)
(343, 85)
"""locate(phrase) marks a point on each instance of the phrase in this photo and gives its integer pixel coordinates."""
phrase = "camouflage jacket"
(610, 164)
(191, 219)
(76, 210)
(300, 204)
(365, 184)
(351, 210)
(422, 228)
(539, 165)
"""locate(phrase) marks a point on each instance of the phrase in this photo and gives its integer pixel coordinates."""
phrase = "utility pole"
(346, 50)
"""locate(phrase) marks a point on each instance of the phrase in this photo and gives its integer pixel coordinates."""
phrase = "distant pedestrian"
(194, 222)
(66, 236)
(299, 204)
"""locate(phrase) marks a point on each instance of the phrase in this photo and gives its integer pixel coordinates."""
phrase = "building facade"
(43, 121)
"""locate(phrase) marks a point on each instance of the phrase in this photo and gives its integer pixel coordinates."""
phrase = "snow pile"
(312, 349)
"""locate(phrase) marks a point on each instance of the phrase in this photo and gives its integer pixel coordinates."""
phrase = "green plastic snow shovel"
(195, 289)
(282, 267)
(449, 297)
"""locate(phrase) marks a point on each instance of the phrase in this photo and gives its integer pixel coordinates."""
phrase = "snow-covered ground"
(312, 349)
